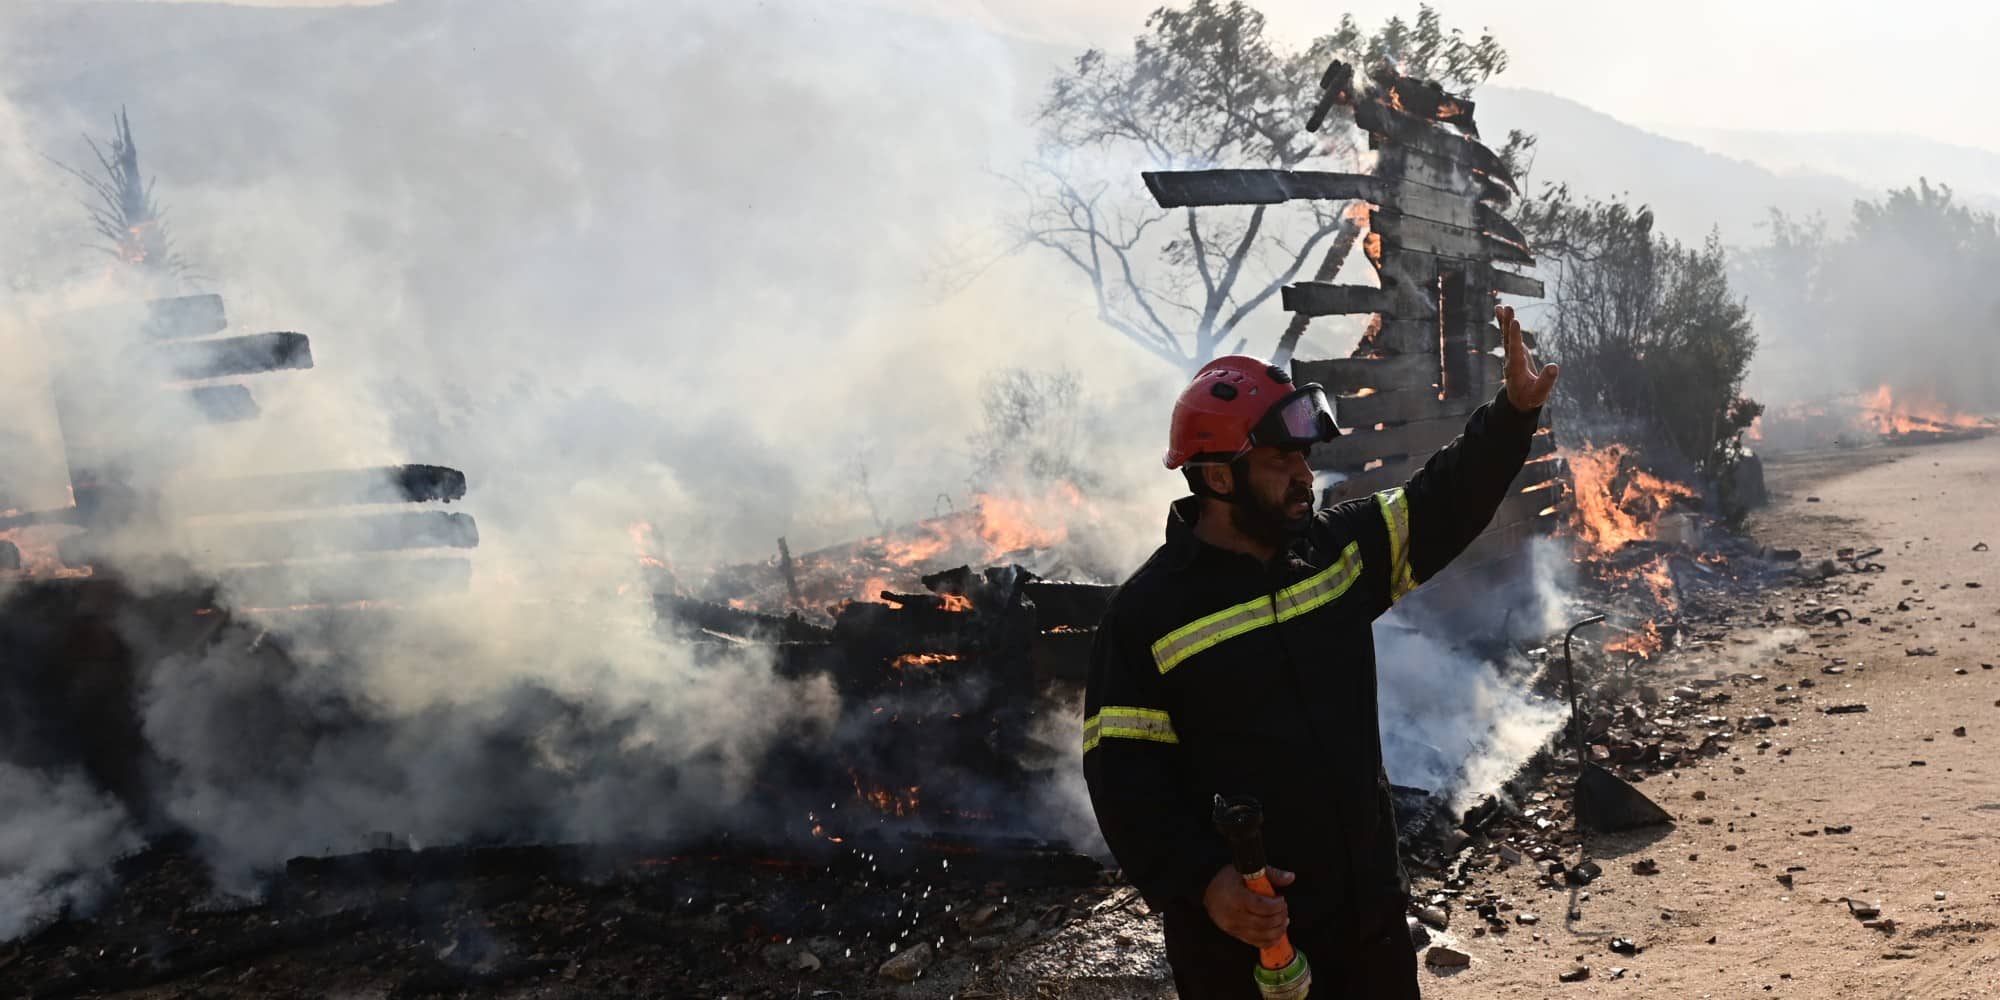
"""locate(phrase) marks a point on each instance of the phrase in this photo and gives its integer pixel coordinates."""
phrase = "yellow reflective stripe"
(1127, 723)
(1396, 513)
(1312, 592)
(1170, 649)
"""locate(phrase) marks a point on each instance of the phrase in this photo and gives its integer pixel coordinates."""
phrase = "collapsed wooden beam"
(157, 319)
(1201, 188)
(1508, 283)
(345, 581)
(1320, 298)
(301, 490)
(246, 355)
(185, 316)
(223, 404)
(1424, 236)
(293, 538)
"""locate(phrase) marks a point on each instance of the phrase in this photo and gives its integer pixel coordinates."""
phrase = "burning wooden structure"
(1439, 245)
(280, 539)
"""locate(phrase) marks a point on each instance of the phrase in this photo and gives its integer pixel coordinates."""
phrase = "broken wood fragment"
(245, 355)
(1202, 188)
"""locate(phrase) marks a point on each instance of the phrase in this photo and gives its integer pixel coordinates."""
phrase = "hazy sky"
(1790, 65)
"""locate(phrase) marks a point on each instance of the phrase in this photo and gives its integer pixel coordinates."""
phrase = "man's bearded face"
(1273, 494)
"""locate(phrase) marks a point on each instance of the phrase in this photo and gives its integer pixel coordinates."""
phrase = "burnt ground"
(1892, 807)
(1838, 803)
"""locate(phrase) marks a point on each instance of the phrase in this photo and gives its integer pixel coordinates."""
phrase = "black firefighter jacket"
(1213, 673)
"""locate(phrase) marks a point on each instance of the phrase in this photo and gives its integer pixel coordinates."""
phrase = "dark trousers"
(1379, 963)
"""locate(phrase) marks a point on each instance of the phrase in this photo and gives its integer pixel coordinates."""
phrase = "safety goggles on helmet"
(1299, 420)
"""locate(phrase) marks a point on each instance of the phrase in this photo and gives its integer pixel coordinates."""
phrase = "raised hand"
(1527, 389)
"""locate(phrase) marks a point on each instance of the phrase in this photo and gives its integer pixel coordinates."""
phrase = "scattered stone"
(1785, 880)
(1700, 795)
(1436, 916)
(1418, 935)
(1958, 731)
(1979, 547)
(1919, 763)
(1938, 896)
(1920, 651)
(1576, 974)
(1842, 828)
(1441, 957)
(1513, 857)
(1862, 911)
(1850, 709)
(1960, 671)
(1645, 866)
(1880, 924)
(807, 962)
(1760, 722)
(1527, 919)
(906, 965)
(1583, 874)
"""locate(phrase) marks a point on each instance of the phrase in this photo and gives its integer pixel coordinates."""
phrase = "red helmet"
(1239, 402)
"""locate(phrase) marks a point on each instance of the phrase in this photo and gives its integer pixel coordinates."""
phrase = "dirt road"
(1920, 794)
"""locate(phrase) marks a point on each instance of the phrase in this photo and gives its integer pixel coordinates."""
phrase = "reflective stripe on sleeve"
(1396, 513)
(1312, 592)
(1121, 722)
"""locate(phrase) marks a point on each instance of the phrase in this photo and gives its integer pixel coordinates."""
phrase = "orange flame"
(1921, 414)
(1616, 503)
(908, 660)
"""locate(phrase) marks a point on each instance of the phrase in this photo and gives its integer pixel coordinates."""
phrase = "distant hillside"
(1875, 161)
(1690, 188)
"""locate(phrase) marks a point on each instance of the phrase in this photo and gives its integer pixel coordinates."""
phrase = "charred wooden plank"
(1411, 233)
(1508, 283)
(1321, 298)
(1198, 188)
(1076, 605)
(696, 614)
(1394, 472)
(1409, 371)
(223, 404)
(1544, 470)
(1528, 503)
(1425, 99)
(1407, 336)
(1424, 202)
(343, 581)
(185, 316)
(1362, 445)
(1417, 438)
(246, 355)
(1398, 406)
(291, 538)
(1488, 220)
(157, 319)
(307, 490)
(1409, 130)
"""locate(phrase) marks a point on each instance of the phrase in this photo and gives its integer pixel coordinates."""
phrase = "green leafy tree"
(1203, 87)
(1648, 330)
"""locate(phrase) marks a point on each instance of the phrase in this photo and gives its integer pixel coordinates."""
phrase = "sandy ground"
(1716, 921)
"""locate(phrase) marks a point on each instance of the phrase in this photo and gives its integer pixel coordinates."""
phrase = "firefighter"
(1239, 660)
